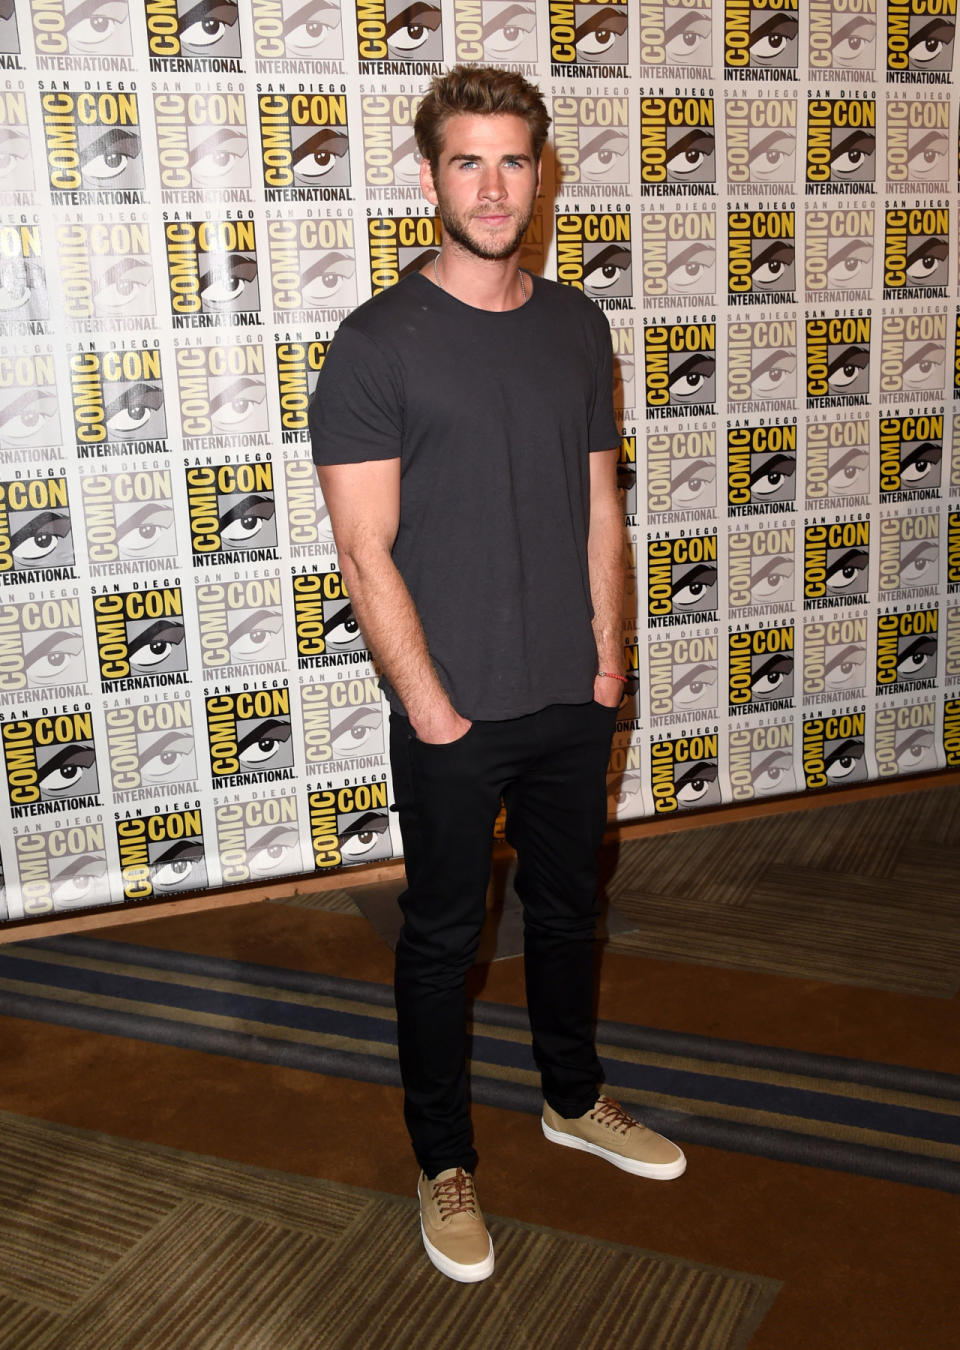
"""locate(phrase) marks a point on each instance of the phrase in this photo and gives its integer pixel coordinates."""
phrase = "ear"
(539, 172)
(426, 182)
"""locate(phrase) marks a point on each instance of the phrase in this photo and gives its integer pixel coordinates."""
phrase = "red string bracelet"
(609, 675)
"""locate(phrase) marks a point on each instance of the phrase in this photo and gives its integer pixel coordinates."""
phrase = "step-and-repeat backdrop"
(762, 196)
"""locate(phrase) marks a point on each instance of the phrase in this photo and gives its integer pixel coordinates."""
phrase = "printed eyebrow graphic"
(771, 673)
(93, 8)
(930, 148)
(170, 749)
(694, 681)
(235, 392)
(151, 518)
(856, 147)
(269, 730)
(323, 144)
(611, 259)
(414, 16)
(230, 267)
(933, 37)
(212, 12)
(600, 143)
(162, 633)
(116, 144)
(844, 755)
(313, 15)
(699, 579)
(846, 660)
(773, 473)
(776, 31)
(222, 136)
(921, 456)
(920, 557)
(779, 142)
(922, 357)
(693, 149)
(915, 654)
(48, 525)
(507, 20)
(696, 370)
(925, 257)
(328, 263)
(857, 251)
(342, 617)
(57, 651)
(66, 768)
(604, 21)
(371, 822)
(850, 361)
(847, 568)
(771, 761)
(696, 475)
(137, 397)
(776, 257)
(703, 772)
(120, 273)
(418, 262)
(694, 259)
(261, 507)
(264, 621)
(27, 403)
(6, 9)
(180, 855)
(362, 718)
(776, 569)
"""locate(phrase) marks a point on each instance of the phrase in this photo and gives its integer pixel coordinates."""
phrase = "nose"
(492, 186)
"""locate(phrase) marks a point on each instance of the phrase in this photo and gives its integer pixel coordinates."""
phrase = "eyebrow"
(218, 137)
(92, 7)
(308, 12)
(48, 523)
(224, 10)
(236, 387)
(476, 159)
(851, 26)
(138, 395)
(428, 14)
(145, 512)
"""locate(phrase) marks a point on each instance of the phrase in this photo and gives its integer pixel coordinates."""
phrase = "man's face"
(486, 183)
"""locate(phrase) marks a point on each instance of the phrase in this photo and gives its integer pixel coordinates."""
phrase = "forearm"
(606, 556)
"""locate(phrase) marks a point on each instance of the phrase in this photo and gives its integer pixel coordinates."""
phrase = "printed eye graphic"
(772, 266)
(277, 852)
(110, 154)
(57, 659)
(125, 288)
(217, 158)
(773, 374)
(226, 280)
(148, 531)
(178, 866)
(129, 412)
(358, 732)
(243, 523)
(848, 472)
(696, 687)
(411, 28)
(508, 31)
(155, 644)
(929, 42)
(916, 752)
(63, 774)
(691, 379)
(773, 475)
(774, 40)
(15, 156)
(169, 759)
(604, 156)
(694, 484)
(696, 783)
(329, 279)
(205, 25)
(852, 154)
(924, 260)
(362, 835)
(100, 25)
(309, 29)
(775, 771)
(853, 43)
(690, 153)
(319, 155)
(843, 759)
(846, 368)
(691, 269)
(850, 266)
(927, 155)
(240, 404)
(343, 629)
(923, 367)
(695, 587)
(846, 571)
(771, 158)
(921, 463)
(595, 37)
(845, 670)
(79, 881)
(606, 268)
(35, 543)
(920, 563)
(19, 278)
(774, 579)
(918, 659)
(687, 39)
(27, 417)
(259, 630)
(771, 676)
(259, 746)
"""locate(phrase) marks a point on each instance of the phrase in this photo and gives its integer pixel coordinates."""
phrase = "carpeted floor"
(200, 1137)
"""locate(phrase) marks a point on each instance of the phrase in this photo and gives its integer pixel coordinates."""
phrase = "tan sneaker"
(452, 1225)
(610, 1133)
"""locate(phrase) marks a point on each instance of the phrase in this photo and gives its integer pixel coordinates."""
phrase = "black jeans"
(550, 769)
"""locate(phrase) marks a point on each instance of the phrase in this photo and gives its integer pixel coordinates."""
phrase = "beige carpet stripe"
(21, 1325)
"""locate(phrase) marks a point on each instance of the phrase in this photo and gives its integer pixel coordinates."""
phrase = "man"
(466, 444)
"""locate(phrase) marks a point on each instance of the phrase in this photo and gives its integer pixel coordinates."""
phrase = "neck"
(483, 283)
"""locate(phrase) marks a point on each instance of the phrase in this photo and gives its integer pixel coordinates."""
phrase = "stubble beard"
(456, 228)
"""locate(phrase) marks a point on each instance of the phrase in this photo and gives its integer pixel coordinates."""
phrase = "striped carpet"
(871, 1119)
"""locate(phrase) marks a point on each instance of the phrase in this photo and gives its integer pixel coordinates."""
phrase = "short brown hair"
(487, 90)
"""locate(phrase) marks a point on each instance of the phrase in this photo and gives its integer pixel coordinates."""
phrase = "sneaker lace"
(611, 1114)
(455, 1195)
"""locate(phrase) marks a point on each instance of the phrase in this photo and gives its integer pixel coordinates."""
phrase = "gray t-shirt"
(493, 416)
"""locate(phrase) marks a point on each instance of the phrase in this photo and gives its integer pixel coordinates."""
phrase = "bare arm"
(364, 504)
(606, 563)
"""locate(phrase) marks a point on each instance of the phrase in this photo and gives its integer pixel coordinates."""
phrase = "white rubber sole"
(652, 1171)
(472, 1274)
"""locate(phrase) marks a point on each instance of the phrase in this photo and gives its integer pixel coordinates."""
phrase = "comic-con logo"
(185, 36)
(920, 36)
(343, 725)
(836, 562)
(760, 761)
(838, 460)
(679, 257)
(905, 739)
(298, 365)
(232, 513)
(761, 257)
(677, 35)
(258, 839)
(129, 521)
(106, 274)
(911, 455)
(951, 732)
(399, 246)
(249, 736)
(213, 273)
(396, 38)
(36, 532)
(327, 630)
(762, 364)
(63, 869)
(65, 30)
(681, 471)
(627, 474)
(838, 361)
(202, 145)
(761, 666)
(624, 372)
(682, 578)
(834, 750)
(309, 531)
(683, 676)
(680, 365)
(292, 38)
(951, 663)
(678, 152)
(150, 749)
(589, 40)
(9, 36)
(918, 144)
(841, 144)
(16, 168)
(117, 399)
(51, 763)
(496, 32)
(838, 254)
(953, 552)
(94, 147)
(29, 406)
(223, 396)
(349, 825)
(913, 356)
(906, 650)
(313, 269)
(761, 570)
(140, 638)
(761, 469)
(760, 36)
(304, 146)
(834, 659)
(391, 158)
(161, 854)
(24, 304)
(841, 37)
(41, 647)
(241, 627)
(915, 253)
(910, 553)
(761, 140)
(594, 255)
(592, 144)
(685, 773)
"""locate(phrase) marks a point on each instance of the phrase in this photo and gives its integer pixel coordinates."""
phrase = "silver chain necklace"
(436, 274)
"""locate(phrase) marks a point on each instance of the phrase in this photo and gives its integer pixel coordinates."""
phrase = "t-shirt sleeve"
(604, 432)
(356, 412)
